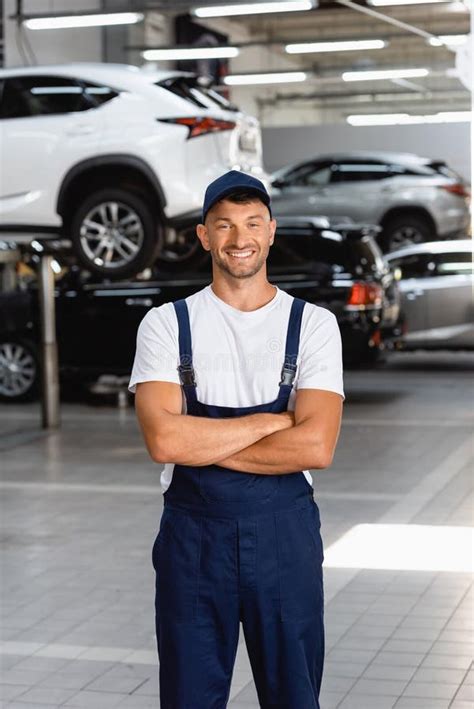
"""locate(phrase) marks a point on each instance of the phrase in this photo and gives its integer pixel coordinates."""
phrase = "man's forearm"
(287, 451)
(198, 441)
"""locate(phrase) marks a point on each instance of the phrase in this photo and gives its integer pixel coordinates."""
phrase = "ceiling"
(262, 39)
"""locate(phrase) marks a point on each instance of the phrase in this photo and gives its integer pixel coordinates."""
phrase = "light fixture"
(379, 74)
(385, 3)
(92, 20)
(336, 46)
(284, 77)
(254, 8)
(181, 54)
(448, 40)
(399, 119)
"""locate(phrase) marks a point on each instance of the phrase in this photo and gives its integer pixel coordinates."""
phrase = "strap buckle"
(287, 376)
(186, 375)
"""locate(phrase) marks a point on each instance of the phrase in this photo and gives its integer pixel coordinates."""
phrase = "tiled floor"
(80, 511)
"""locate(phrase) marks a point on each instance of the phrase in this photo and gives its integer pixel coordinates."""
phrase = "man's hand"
(195, 440)
(309, 443)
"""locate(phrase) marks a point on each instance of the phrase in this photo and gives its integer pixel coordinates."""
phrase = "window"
(305, 251)
(414, 170)
(25, 96)
(97, 93)
(455, 264)
(197, 93)
(308, 175)
(414, 266)
(353, 171)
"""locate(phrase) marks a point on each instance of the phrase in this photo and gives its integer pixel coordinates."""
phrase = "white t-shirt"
(238, 355)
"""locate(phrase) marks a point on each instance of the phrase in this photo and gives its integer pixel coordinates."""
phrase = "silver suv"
(435, 282)
(413, 199)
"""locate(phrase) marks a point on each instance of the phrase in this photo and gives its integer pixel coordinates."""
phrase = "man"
(240, 386)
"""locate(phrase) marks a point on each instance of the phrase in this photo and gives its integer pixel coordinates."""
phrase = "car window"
(354, 171)
(454, 264)
(414, 266)
(309, 174)
(417, 170)
(98, 93)
(25, 96)
(192, 90)
(301, 250)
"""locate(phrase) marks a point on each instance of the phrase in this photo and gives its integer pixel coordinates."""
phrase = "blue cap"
(233, 181)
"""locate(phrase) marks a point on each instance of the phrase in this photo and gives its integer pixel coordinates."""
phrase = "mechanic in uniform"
(240, 385)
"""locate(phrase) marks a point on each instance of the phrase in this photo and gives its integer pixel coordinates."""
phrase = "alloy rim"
(181, 247)
(404, 236)
(111, 235)
(17, 369)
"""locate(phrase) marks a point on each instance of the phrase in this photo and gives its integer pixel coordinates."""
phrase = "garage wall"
(50, 46)
(450, 142)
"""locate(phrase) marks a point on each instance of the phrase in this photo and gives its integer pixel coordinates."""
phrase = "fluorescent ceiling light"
(254, 8)
(338, 46)
(399, 119)
(384, 74)
(191, 53)
(404, 547)
(448, 40)
(97, 20)
(284, 77)
(385, 3)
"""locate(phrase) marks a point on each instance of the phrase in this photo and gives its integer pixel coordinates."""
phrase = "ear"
(203, 237)
(273, 226)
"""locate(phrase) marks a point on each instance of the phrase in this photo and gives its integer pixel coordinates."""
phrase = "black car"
(342, 270)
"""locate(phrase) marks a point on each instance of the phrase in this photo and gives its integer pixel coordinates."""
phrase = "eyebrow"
(226, 219)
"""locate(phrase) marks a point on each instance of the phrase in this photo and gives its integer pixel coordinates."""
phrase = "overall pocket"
(299, 564)
(176, 560)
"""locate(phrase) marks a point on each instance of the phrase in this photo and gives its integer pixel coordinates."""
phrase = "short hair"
(243, 197)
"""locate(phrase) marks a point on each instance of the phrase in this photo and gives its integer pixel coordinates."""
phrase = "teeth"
(239, 254)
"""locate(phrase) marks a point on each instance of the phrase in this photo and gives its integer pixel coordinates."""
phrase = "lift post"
(49, 350)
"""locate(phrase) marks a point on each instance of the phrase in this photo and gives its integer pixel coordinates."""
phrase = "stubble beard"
(238, 272)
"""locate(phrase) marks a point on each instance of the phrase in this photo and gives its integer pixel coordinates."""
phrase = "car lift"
(12, 249)
(49, 349)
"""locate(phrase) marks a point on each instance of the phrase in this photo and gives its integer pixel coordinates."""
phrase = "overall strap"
(288, 371)
(185, 367)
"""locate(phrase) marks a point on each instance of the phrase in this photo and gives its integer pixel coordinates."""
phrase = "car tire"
(404, 230)
(19, 370)
(114, 234)
(183, 255)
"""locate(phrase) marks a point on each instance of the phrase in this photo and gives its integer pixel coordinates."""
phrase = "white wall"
(51, 46)
(449, 142)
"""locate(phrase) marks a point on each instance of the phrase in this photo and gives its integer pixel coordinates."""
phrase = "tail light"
(200, 125)
(365, 294)
(458, 189)
(376, 339)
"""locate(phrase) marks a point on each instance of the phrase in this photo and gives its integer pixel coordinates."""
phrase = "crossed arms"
(262, 443)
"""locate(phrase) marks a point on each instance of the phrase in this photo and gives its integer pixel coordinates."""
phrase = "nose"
(240, 235)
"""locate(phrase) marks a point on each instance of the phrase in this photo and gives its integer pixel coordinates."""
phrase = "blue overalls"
(238, 547)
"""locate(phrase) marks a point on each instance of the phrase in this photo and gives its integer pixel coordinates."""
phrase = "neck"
(244, 294)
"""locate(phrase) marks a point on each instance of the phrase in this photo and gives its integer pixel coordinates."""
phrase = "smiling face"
(238, 235)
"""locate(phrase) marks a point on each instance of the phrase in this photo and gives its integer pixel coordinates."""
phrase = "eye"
(254, 224)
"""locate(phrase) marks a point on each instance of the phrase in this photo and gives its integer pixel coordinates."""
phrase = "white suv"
(115, 158)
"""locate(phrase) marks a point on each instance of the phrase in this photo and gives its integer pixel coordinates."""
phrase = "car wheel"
(404, 231)
(114, 234)
(19, 371)
(182, 253)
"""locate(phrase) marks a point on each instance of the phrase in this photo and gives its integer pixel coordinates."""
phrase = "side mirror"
(279, 183)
